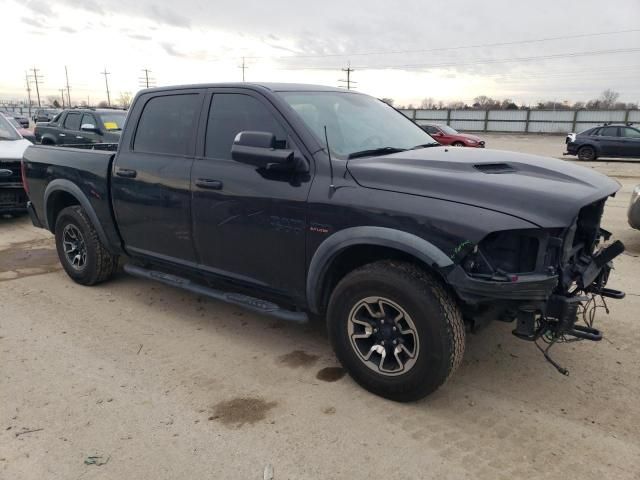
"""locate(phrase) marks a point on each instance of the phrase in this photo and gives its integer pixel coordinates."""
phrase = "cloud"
(169, 17)
(39, 7)
(32, 22)
(137, 36)
(68, 29)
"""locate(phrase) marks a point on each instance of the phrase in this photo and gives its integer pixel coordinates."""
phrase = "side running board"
(250, 303)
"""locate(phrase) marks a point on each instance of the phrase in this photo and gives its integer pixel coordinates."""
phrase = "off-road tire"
(433, 310)
(100, 263)
(587, 153)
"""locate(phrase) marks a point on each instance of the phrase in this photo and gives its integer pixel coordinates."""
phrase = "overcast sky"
(406, 50)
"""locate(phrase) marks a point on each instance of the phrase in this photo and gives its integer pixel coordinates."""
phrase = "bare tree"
(456, 105)
(124, 100)
(485, 103)
(427, 103)
(388, 101)
(103, 104)
(609, 98)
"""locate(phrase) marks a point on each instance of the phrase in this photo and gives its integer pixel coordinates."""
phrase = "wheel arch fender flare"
(63, 185)
(406, 242)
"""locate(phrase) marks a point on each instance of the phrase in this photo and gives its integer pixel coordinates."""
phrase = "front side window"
(609, 132)
(355, 122)
(232, 113)
(72, 122)
(167, 124)
(430, 129)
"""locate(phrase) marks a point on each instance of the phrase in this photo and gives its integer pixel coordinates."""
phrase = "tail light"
(23, 174)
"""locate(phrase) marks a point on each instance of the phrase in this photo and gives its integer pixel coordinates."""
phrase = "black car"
(295, 199)
(82, 126)
(45, 114)
(23, 120)
(608, 140)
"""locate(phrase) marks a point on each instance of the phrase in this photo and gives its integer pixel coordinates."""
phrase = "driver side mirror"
(89, 127)
(260, 149)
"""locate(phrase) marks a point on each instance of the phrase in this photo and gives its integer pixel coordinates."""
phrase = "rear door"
(152, 173)
(630, 139)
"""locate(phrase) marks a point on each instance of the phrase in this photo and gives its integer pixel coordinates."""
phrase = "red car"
(445, 135)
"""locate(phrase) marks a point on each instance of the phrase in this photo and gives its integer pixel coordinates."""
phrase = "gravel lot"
(162, 384)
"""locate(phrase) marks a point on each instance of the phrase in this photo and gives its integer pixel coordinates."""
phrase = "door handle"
(78, 136)
(126, 173)
(209, 183)
(61, 135)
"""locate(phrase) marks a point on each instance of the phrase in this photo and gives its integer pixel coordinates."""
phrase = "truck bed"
(84, 175)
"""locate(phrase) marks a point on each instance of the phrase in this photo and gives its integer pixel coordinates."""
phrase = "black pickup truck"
(293, 200)
(80, 126)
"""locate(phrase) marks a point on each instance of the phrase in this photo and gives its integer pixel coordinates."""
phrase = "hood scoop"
(494, 168)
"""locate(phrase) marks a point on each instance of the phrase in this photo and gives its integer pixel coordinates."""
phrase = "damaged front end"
(551, 282)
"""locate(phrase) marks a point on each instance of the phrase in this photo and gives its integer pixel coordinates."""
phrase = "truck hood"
(541, 190)
(13, 149)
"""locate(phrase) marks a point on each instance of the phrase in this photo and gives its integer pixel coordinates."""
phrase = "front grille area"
(14, 167)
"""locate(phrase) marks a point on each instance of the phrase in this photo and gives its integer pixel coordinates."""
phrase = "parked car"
(294, 199)
(45, 114)
(445, 135)
(634, 209)
(81, 126)
(13, 199)
(25, 133)
(608, 140)
(23, 120)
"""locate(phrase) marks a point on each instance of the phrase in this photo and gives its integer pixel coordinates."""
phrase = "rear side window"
(231, 113)
(430, 129)
(630, 132)
(167, 124)
(608, 132)
(72, 122)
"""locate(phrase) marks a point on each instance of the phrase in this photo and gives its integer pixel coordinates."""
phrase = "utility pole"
(146, 81)
(66, 75)
(62, 96)
(243, 67)
(35, 78)
(106, 84)
(26, 78)
(348, 81)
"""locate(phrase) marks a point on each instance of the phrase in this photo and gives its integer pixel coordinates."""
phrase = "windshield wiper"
(376, 151)
(426, 145)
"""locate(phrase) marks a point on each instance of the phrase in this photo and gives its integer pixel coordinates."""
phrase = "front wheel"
(82, 255)
(396, 330)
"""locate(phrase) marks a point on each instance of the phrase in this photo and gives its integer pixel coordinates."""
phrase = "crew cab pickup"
(297, 201)
(81, 126)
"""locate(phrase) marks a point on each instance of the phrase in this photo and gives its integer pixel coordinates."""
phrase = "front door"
(249, 224)
(152, 173)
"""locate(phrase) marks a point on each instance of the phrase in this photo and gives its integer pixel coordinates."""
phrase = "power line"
(348, 81)
(106, 83)
(461, 47)
(243, 67)
(482, 62)
(36, 77)
(66, 76)
(146, 81)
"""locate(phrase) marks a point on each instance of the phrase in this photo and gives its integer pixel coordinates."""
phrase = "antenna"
(332, 187)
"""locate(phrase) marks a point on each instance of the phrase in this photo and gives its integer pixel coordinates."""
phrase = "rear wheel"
(82, 255)
(396, 330)
(457, 144)
(587, 153)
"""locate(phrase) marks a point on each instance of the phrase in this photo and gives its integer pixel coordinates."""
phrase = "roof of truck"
(274, 87)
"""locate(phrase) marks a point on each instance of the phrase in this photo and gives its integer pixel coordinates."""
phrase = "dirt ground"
(135, 380)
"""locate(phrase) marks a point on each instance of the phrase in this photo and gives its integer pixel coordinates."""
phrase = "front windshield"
(448, 130)
(113, 121)
(7, 131)
(355, 122)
